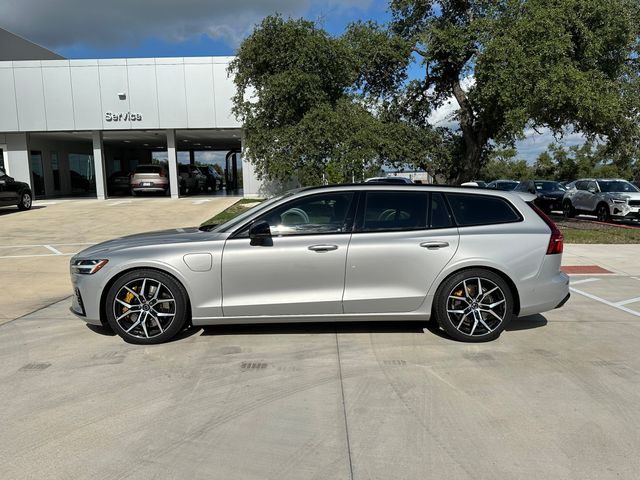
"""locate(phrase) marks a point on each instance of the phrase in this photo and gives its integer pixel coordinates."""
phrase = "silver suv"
(606, 198)
(472, 260)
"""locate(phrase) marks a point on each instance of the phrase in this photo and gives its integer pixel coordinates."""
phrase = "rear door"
(401, 242)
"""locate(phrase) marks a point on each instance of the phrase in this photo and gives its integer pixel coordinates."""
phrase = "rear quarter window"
(470, 210)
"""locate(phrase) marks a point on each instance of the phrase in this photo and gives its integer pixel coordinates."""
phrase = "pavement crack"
(344, 406)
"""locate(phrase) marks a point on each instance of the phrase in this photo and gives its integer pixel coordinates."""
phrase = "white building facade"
(67, 125)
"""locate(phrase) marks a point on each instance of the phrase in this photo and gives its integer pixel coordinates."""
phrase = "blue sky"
(166, 28)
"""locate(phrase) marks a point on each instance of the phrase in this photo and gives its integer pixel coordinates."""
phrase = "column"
(17, 157)
(173, 162)
(98, 165)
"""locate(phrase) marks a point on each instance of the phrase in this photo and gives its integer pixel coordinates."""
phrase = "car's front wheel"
(146, 307)
(25, 201)
(474, 305)
(603, 213)
(568, 210)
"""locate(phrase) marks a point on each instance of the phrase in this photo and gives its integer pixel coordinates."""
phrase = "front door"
(401, 242)
(300, 269)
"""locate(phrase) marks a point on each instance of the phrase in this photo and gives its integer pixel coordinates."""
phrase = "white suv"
(606, 198)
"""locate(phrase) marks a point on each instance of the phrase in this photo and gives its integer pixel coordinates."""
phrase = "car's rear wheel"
(25, 201)
(146, 307)
(568, 210)
(474, 305)
(603, 213)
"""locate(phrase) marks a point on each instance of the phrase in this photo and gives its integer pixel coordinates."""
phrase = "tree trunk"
(473, 137)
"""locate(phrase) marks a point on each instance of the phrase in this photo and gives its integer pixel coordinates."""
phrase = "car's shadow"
(310, 328)
(13, 209)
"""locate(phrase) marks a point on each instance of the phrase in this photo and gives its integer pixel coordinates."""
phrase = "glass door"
(37, 173)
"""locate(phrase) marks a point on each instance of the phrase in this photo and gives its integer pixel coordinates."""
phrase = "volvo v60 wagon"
(473, 260)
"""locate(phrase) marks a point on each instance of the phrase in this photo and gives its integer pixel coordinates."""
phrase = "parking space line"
(54, 250)
(39, 255)
(631, 300)
(42, 245)
(606, 302)
(584, 280)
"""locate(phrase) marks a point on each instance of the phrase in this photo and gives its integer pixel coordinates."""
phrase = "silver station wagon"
(471, 259)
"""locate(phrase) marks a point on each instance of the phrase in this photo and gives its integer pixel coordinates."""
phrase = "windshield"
(616, 186)
(549, 186)
(507, 186)
(230, 224)
(148, 169)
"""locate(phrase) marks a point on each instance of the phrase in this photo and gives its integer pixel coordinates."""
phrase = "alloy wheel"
(144, 308)
(476, 306)
(26, 201)
(603, 213)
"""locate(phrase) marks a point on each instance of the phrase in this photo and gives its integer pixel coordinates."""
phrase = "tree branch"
(422, 53)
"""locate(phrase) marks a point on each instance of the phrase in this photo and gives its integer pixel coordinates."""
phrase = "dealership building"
(67, 126)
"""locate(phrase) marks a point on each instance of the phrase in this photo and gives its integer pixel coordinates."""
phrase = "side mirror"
(260, 230)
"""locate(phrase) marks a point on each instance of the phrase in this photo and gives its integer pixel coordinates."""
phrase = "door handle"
(434, 245)
(322, 248)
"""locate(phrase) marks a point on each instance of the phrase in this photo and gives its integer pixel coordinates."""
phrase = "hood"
(629, 195)
(552, 194)
(162, 237)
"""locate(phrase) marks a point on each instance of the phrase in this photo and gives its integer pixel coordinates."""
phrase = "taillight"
(556, 242)
(163, 173)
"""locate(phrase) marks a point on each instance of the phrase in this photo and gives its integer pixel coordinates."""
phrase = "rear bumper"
(564, 300)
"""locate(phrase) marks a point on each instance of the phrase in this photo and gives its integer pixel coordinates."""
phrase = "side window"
(592, 186)
(389, 210)
(581, 185)
(471, 210)
(522, 187)
(316, 214)
(439, 215)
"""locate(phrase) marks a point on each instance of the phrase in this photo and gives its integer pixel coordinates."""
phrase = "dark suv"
(14, 193)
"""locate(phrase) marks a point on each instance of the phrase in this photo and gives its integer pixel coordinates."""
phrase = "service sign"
(123, 117)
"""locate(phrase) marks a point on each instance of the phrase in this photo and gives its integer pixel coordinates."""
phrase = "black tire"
(26, 200)
(441, 307)
(133, 193)
(182, 188)
(603, 213)
(568, 210)
(174, 289)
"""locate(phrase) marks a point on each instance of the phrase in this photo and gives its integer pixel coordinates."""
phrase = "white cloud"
(98, 23)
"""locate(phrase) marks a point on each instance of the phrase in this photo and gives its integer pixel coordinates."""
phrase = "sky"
(176, 28)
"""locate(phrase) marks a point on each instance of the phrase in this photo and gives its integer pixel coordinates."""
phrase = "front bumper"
(87, 290)
(624, 211)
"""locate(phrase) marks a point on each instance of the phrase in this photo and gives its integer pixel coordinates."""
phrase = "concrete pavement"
(35, 245)
(556, 397)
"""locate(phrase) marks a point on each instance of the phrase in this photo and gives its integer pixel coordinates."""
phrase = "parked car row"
(155, 179)
(607, 199)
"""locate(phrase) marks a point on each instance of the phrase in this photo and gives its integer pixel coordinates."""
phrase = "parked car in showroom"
(119, 183)
(472, 260)
(214, 180)
(608, 199)
(13, 192)
(504, 185)
(149, 179)
(190, 180)
(549, 194)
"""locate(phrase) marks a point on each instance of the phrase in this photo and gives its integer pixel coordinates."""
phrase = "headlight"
(87, 267)
(619, 200)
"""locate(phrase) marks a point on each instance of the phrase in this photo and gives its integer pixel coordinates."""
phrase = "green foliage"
(335, 108)
(502, 164)
(302, 117)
